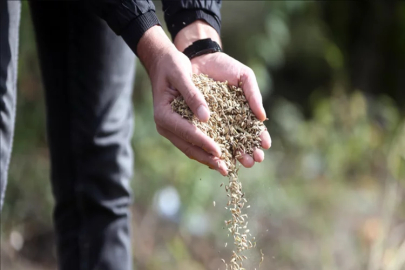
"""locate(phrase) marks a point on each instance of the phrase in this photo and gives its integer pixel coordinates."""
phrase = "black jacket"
(131, 18)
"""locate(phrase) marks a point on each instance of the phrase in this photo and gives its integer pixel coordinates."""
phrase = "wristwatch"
(202, 46)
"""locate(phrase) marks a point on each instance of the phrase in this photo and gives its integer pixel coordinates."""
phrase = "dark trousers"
(87, 75)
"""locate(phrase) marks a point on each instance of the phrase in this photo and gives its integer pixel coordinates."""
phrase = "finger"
(247, 161)
(182, 128)
(196, 153)
(193, 97)
(252, 93)
(258, 155)
(266, 139)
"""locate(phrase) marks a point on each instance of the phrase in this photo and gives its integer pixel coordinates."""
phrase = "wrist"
(193, 32)
(153, 45)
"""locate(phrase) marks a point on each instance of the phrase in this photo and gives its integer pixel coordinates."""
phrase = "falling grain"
(235, 128)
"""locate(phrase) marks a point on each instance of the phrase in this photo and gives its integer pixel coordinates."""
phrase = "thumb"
(193, 97)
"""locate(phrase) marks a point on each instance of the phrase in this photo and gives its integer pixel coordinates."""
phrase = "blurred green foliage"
(329, 193)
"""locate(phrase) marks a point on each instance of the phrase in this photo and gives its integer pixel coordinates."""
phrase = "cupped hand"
(222, 67)
(170, 73)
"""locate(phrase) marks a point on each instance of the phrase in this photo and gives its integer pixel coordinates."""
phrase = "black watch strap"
(202, 46)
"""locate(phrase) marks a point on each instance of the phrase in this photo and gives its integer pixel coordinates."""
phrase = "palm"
(222, 67)
(218, 66)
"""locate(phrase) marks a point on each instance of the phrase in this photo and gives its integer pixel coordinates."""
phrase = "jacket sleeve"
(128, 18)
(179, 14)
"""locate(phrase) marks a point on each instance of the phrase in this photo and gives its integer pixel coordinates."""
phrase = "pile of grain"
(236, 129)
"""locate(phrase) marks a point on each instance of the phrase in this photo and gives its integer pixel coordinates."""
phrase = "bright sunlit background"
(330, 193)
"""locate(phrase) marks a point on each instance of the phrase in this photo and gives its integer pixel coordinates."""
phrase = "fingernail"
(223, 173)
(270, 140)
(222, 169)
(203, 113)
(223, 166)
(218, 153)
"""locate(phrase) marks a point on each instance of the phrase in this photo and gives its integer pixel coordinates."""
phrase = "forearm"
(155, 43)
(193, 32)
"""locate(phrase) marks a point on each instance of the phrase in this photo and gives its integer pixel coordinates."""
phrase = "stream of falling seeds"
(236, 129)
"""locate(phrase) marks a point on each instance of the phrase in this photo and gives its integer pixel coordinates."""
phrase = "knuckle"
(158, 116)
(159, 130)
(203, 145)
(188, 151)
(185, 135)
(249, 72)
(190, 97)
(213, 163)
(246, 74)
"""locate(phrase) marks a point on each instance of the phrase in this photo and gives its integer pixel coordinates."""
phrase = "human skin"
(170, 72)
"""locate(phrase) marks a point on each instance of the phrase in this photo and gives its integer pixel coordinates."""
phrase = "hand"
(170, 73)
(222, 67)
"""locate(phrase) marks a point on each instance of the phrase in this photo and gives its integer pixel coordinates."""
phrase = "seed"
(261, 252)
(234, 127)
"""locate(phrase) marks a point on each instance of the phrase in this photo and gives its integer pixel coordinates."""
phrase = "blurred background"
(330, 193)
